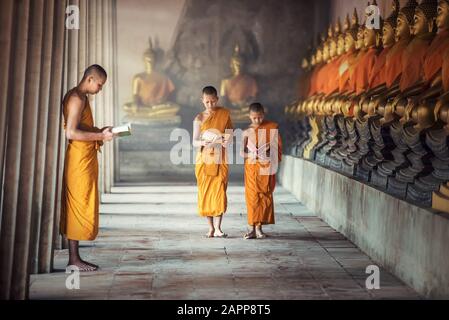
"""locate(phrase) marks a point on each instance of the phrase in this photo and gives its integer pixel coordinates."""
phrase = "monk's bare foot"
(220, 234)
(91, 264)
(83, 267)
(260, 234)
(210, 234)
(250, 235)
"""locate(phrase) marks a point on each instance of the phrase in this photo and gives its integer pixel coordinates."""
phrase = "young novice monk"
(262, 151)
(211, 169)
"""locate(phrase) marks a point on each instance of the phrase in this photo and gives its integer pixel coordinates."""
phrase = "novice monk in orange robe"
(260, 169)
(211, 168)
(80, 199)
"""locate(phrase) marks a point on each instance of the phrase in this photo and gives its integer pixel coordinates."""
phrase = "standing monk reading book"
(262, 151)
(211, 169)
(80, 199)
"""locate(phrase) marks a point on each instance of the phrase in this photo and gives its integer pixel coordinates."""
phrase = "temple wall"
(405, 239)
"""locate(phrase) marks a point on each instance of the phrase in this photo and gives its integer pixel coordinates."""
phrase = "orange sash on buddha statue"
(363, 70)
(259, 183)
(377, 75)
(315, 79)
(241, 87)
(333, 75)
(434, 58)
(445, 71)
(344, 71)
(154, 88)
(413, 62)
(352, 71)
(211, 169)
(393, 64)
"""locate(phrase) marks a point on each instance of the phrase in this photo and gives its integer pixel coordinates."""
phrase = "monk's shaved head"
(95, 70)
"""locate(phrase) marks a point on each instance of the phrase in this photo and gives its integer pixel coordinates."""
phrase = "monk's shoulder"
(73, 97)
(225, 111)
(272, 124)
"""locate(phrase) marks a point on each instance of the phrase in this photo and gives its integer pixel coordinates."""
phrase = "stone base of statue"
(240, 117)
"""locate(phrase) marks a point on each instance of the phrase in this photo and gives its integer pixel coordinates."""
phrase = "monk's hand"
(107, 134)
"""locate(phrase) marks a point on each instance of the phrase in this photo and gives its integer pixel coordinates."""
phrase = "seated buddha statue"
(239, 90)
(151, 90)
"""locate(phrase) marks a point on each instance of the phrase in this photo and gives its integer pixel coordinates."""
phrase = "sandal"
(209, 235)
(250, 235)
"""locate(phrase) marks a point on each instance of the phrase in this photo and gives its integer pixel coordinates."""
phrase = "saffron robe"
(364, 69)
(377, 75)
(434, 58)
(211, 169)
(393, 65)
(259, 182)
(413, 62)
(80, 198)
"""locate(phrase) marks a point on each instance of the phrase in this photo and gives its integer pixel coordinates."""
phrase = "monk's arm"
(197, 142)
(74, 108)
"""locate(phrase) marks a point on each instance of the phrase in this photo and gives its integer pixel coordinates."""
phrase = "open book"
(122, 131)
(262, 152)
(212, 137)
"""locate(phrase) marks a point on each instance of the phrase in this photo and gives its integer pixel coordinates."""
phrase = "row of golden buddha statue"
(152, 91)
(374, 103)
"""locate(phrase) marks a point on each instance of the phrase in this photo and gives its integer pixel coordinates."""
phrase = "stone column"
(20, 277)
(6, 18)
(42, 128)
(13, 148)
(49, 230)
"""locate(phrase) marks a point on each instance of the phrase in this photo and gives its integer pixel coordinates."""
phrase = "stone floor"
(151, 246)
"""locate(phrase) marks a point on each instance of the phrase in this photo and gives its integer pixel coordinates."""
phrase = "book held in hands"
(122, 131)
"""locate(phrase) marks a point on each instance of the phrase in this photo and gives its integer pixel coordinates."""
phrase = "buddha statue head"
(332, 43)
(389, 26)
(425, 18)
(341, 36)
(405, 21)
(372, 36)
(149, 58)
(236, 61)
(319, 55)
(442, 19)
(326, 54)
(351, 33)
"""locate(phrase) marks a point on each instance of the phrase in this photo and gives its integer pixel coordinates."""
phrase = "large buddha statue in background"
(240, 90)
(151, 91)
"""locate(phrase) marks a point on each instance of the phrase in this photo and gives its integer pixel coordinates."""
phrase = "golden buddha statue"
(151, 90)
(240, 90)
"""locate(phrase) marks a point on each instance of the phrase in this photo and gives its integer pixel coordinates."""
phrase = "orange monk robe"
(333, 75)
(445, 71)
(393, 64)
(241, 87)
(211, 169)
(154, 88)
(304, 85)
(377, 75)
(80, 199)
(344, 71)
(353, 71)
(259, 183)
(434, 58)
(364, 69)
(413, 62)
(314, 80)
